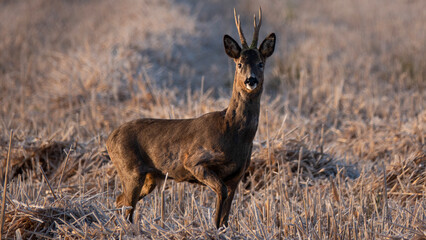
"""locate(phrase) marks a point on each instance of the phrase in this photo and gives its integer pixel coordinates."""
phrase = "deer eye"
(260, 65)
(239, 65)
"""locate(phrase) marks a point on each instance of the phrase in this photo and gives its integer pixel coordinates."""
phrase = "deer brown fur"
(212, 150)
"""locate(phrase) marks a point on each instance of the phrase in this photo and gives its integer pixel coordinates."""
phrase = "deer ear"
(232, 48)
(268, 45)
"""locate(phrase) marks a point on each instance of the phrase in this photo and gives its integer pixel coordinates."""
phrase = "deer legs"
(148, 186)
(209, 178)
(227, 205)
(134, 190)
(130, 195)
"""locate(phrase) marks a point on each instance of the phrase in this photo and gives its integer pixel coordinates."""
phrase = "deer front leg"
(227, 205)
(209, 178)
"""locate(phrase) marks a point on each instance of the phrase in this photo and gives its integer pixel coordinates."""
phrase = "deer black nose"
(252, 81)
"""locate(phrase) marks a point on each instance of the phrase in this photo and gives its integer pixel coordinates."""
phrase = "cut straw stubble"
(3, 202)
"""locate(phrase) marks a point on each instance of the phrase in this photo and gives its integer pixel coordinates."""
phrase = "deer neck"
(242, 114)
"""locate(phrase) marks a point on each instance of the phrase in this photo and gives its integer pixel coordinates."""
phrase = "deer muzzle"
(251, 83)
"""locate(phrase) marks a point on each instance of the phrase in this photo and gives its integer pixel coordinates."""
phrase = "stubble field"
(339, 154)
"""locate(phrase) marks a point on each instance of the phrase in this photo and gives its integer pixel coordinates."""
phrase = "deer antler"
(240, 30)
(256, 29)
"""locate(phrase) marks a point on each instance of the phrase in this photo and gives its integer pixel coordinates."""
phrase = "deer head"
(249, 61)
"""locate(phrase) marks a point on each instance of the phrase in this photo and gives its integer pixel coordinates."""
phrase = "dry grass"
(340, 152)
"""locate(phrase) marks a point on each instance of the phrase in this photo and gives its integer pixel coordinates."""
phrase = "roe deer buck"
(213, 149)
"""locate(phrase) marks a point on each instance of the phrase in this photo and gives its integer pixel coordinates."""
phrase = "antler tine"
(256, 29)
(240, 30)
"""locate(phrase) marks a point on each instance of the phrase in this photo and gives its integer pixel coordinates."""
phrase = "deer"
(212, 150)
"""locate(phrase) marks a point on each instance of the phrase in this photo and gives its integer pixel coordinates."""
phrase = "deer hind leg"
(149, 185)
(132, 186)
